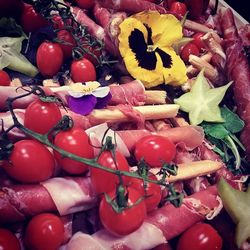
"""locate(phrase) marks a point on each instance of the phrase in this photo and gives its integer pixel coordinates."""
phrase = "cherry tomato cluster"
(195, 47)
(51, 55)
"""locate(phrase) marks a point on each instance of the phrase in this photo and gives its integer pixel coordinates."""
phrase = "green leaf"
(9, 28)
(217, 131)
(232, 121)
(11, 57)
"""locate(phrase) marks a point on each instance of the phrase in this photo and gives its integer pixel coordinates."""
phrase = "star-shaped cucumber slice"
(202, 102)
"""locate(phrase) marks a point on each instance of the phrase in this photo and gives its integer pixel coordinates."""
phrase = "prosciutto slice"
(188, 136)
(17, 202)
(161, 225)
(238, 70)
(131, 6)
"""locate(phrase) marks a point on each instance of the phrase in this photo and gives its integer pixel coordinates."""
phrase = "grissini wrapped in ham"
(161, 225)
(62, 195)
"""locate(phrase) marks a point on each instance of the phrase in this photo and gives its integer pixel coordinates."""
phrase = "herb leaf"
(217, 131)
(232, 121)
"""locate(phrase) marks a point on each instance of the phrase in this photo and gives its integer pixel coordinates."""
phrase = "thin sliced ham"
(131, 6)
(188, 136)
(161, 225)
(77, 194)
(18, 202)
(132, 93)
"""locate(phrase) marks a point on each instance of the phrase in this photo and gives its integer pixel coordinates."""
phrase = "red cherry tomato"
(151, 191)
(93, 55)
(44, 232)
(85, 4)
(83, 71)
(49, 58)
(4, 78)
(127, 221)
(30, 161)
(8, 241)
(31, 20)
(178, 8)
(200, 236)
(42, 116)
(187, 50)
(198, 41)
(103, 181)
(75, 141)
(66, 36)
(155, 150)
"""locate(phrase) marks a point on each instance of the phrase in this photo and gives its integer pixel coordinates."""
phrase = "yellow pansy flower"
(145, 44)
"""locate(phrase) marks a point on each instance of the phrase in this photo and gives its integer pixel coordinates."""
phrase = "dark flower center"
(144, 52)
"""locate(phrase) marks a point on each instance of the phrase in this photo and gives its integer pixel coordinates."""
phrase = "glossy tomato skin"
(189, 49)
(31, 20)
(42, 116)
(75, 141)
(178, 8)
(198, 41)
(155, 150)
(30, 162)
(4, 78)
(83, 71)
(200, 236)
(103, 181)
(85, 4)
(129, 220)
(67, 37)
(49, 58)
(152, 192)
(44, 232)
(8, 241)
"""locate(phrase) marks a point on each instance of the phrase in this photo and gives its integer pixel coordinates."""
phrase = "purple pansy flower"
(83, 98)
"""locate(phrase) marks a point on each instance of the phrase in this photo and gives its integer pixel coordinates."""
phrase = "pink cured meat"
(102, 15)
(238, 70)
(189, 136)
(131, 6)
(95, 30)
(161, 225)
(132, 93)
(10, 92)
(17, 202)
(173, 221)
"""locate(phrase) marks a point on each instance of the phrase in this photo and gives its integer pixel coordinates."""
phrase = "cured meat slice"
(238, 70)
(188, 136)
(17, 202)
(161, 225)
(131, 6)
(132, 93)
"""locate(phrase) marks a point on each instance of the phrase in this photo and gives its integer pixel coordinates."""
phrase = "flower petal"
(101, 92)
(82, 106)
(166, 28)
(103, 102)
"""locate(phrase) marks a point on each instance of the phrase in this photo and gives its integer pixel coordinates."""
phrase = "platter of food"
(124, 125)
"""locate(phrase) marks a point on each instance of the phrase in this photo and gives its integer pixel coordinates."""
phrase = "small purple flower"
(83, 98)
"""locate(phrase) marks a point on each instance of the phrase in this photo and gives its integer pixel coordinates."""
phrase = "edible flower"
(145, 42)
(202, 102)
(237, 204)
(83, 98)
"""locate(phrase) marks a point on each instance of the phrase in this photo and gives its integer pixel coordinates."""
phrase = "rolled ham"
(238, 70)
(62, 195)
(161, 225)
